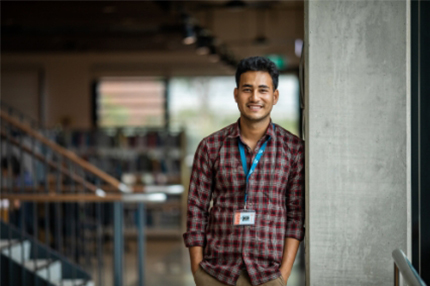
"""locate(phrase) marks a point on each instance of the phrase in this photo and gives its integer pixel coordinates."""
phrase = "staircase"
(50, 268)
(64, 219)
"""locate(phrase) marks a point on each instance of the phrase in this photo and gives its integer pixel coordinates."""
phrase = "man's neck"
(252, 131)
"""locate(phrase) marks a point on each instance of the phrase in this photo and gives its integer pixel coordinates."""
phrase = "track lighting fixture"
(204, 41)
(189, 31)
(213, 55)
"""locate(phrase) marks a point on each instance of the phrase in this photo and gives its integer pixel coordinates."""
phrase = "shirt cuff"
(295, 230)
(194, 238)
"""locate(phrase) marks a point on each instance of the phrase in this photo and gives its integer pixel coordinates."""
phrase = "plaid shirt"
(275, 194)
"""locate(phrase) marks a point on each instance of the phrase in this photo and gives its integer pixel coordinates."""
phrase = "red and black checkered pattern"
(275, 193)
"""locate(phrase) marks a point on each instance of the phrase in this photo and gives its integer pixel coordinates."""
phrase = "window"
(131, 102)
(206, 104)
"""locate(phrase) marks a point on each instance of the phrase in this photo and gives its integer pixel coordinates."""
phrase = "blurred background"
(130, 88)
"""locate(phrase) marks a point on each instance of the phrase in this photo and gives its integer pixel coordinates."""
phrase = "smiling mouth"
(254, 107)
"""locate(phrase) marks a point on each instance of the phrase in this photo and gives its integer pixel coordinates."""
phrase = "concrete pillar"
(357, 100)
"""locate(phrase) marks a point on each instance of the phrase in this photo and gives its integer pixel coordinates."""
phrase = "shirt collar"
(235, 130)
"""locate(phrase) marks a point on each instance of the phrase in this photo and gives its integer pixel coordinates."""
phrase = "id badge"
(244, 217)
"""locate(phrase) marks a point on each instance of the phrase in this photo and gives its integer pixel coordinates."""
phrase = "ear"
(236, 94)
(275, 97)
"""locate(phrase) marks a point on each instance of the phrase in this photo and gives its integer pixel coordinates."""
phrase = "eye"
(247, 90)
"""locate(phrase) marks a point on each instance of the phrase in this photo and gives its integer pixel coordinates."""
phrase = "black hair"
(258, 64)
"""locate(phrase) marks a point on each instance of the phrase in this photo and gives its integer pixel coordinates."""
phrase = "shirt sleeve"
(199, 196)
(295, 193)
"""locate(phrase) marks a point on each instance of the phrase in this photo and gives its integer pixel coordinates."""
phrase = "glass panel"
(206, 104)
(131, 102)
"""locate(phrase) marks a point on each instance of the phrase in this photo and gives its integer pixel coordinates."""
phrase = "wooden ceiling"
(244, 28)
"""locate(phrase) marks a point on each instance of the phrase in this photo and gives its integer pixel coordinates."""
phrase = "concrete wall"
(358, 158)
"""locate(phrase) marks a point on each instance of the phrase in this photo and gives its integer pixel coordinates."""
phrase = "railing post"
(99, 221)
(58, 210)
(35, 206)
(396, 275)
(22, 204)
(47, 205)
(118, 240)
(73, 207)
(11, 202)
(141, 222)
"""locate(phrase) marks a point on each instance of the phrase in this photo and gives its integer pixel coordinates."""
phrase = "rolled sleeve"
(294, 200)
(194, 239)
(199, 196)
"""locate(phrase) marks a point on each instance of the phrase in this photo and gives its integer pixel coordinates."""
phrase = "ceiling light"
(189, 30)
(203, 43)
(213, 55)
(189, 34)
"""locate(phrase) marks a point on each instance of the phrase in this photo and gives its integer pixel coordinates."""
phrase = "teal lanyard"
(257, 158)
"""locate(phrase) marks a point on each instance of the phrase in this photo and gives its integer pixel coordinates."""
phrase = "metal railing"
(67, 205)
(402, 265)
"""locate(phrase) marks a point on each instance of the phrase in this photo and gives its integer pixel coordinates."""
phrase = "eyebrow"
(260, 86)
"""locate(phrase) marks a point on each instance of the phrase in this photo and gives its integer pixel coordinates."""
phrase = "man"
(252, 171)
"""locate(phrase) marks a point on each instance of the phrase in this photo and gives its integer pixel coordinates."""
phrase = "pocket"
(196, 281)
(282, 281)
(197, 271)
(275, 282)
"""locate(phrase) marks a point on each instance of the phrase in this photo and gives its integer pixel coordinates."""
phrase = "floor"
(167, 263)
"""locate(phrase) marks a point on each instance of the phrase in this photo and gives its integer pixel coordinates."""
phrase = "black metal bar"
(73, 221)
(10, 185)
(103, 229)
(78, 227)
(85, 226)
(141, 245)
(166, 104)
(22, 206)
(47, 216)
(99, 240)
(80, 242)
(118, 261)
(74, 239)
(424, 135)
(94, 234)
(415, 131)
(58, 214)
(1, 155)
(35, 208)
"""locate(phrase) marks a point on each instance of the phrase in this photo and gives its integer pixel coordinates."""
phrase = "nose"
(254, 96)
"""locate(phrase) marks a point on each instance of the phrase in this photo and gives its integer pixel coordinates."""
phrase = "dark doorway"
(420, 105)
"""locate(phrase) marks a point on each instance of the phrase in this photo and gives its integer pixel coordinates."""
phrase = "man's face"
(255, 96)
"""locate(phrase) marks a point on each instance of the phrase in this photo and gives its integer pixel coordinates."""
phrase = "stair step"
(46, 268)
(17, 248)
(36, 264)
(74, 282)
(5, 242)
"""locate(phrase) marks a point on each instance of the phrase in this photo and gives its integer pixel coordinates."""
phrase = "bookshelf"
(148, 159)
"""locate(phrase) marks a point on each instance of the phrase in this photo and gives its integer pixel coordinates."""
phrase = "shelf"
(149, 160)
(151, 232)
(129, 152)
